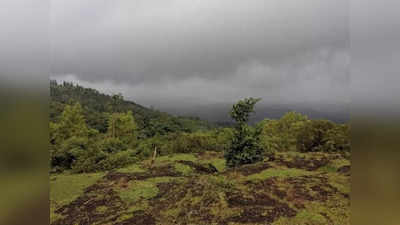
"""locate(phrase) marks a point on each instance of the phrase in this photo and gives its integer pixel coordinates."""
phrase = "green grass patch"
(340, 182)
(138, 207)
(328, 169)
(183, 169)
(303, 217)
(275, 172)
(219, 164)
(221, 182)
(101, 209)
(138, 190)
(177, 157)
(64, 188)
(340, 162)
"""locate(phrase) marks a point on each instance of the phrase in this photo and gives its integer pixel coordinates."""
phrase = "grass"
(138, 190)
(67, 187)
(317, 213)
(185, 170)
(101, 209)
(145, 189)
(303, 217)
(177, 157)
(219, 164)
(274, 172)
(340, 182)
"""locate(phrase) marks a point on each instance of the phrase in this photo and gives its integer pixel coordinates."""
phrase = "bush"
(195, 142)
(63, 156)
(216, 140)
(338, 140)
(88, 161)
(245, 146)
(113, 145)
(281, 135)
(118, 160)
(323, 136)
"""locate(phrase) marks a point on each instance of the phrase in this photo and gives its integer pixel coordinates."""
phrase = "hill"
(97, 107)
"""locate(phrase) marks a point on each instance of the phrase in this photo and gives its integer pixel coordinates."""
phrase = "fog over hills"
(220, 112)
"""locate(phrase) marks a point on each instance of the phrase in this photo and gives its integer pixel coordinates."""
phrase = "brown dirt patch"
(302, 163)
(237, 199)
(140, 218)
(344, 170)
(252, 169)
(258, 214)
(199, 168)
(259, 208)
(83, 209)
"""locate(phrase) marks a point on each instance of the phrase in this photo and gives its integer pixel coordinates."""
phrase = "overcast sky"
(170, 53)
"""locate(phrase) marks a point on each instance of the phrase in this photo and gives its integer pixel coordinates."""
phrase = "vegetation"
(291, 170)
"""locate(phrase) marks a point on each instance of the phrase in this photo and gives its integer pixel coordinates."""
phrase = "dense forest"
(98, 106)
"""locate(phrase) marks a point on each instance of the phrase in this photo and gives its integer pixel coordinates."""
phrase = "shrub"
(245, 146)
(281, 135)
(118, 160)
(88, 160)
(113, 145)
(323, 136)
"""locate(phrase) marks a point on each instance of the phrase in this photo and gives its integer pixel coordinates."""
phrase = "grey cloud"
(143, 41)
(173, 52)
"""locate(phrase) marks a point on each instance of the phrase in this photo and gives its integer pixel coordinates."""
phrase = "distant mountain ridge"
(219, 113)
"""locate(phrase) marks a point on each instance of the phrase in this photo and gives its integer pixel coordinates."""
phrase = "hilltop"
(284, 189)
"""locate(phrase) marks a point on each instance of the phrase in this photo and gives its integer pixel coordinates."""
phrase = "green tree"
(244, 147)
(70, 137)
(313, 136)
(72, 123)
(280, 135)
(122, 126)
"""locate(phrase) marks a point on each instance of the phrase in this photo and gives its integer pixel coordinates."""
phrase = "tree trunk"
(154, 157)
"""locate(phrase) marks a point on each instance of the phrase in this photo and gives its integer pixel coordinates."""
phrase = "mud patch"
(344, 170)
(259, 208)
(252, 169)
(140, 218)
(237, 199)
(302, 163)
(263, 215)
(199, 168)
(83, 210)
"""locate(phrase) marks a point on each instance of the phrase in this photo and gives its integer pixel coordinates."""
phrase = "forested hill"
(97, 107)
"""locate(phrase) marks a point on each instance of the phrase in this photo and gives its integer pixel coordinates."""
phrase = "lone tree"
(244, 147)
